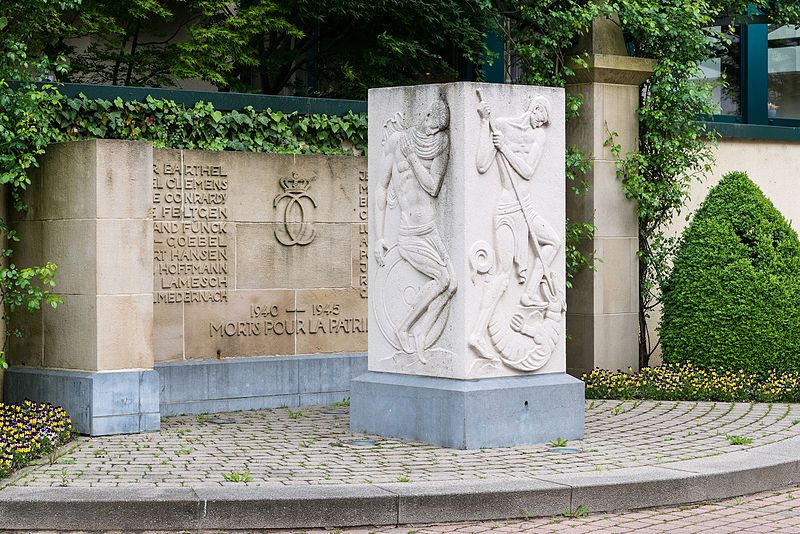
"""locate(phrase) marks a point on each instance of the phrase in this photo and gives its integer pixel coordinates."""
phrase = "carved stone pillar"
(466, 290)
(602, 321)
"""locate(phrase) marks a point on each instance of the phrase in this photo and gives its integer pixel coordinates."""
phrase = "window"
(761, 65)
(784, 73)
(725, 67)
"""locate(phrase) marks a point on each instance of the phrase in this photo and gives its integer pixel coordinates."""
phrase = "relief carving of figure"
(417, 159)
(525, 245)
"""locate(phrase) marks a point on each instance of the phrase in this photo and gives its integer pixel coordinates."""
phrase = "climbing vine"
(674, 148)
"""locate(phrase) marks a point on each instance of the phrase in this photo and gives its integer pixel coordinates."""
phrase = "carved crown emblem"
(295, 184)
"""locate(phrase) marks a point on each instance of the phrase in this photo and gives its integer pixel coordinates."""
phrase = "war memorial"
(253, 340)
(199, 282)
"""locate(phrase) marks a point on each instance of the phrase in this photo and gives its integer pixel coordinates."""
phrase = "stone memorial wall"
(257, 254)
(193, 281)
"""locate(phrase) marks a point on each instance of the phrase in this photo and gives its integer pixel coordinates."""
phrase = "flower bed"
(28, 431)
(685, 382)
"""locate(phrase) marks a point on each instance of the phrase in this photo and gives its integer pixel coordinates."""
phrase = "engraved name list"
(190, 233)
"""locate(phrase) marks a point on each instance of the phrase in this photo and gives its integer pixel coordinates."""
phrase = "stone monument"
(467, 298)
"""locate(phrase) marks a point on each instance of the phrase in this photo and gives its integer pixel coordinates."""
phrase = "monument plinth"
(467, 303)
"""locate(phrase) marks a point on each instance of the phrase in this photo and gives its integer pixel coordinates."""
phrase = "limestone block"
(249, 323)
(71, 244)
(28, 250)
(336, 321)
(124, 332)
(611, 348)
(584, 132)
(168, 332)
(618, 267)
(122, 268)
(93, 179)
(68, 181)
(263, 262)
(619, 105)
(614, 214)
(122, 187)
(70, 333)
(464, 282)
(27, 350)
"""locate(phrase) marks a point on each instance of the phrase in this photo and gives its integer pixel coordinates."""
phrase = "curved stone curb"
(250, 507)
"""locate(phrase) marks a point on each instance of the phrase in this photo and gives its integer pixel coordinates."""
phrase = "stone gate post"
(603, 305)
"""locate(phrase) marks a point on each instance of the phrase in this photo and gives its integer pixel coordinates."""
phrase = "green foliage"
(543, 31)
(171, 125)
(26, 116)
(29, 431)
(264, 44)
(687, 382)
(674, 149)
(732, 300)
(235, 476)
(738, 440)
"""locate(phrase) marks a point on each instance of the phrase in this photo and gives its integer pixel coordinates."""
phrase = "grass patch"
(738, 440)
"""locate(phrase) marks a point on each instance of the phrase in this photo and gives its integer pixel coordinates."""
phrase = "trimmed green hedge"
(171, 125)
(733, 298)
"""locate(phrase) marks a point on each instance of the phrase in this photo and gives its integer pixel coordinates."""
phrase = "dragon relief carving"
(524, 334)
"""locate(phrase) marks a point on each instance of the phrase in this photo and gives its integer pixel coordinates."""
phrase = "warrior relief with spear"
(524, 244)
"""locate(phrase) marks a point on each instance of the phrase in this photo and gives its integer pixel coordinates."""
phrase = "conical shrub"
(733, 298)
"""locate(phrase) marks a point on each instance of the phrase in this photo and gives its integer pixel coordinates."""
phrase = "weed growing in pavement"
(64, 478)
(526, 515)
(738, 440)
(343, 402)
(404, 479)
(580, 511)
(738, 499)
(201, 418)
(235, 476)
(183, 451)
(558, 442)
(294, 415)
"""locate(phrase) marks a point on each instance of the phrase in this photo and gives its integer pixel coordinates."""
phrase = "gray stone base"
(209, 386)
(468, 414)
(99, 403)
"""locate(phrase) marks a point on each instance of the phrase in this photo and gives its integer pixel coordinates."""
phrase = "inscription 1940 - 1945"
(190, 230)
(272, 319)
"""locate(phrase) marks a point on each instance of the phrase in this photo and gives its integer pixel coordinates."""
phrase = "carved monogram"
(296, 230)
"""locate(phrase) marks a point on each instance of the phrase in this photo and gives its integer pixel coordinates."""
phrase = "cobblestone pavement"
(315, 446)
(777, 512)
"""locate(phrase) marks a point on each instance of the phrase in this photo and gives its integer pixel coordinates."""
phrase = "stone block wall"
(184, 273)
